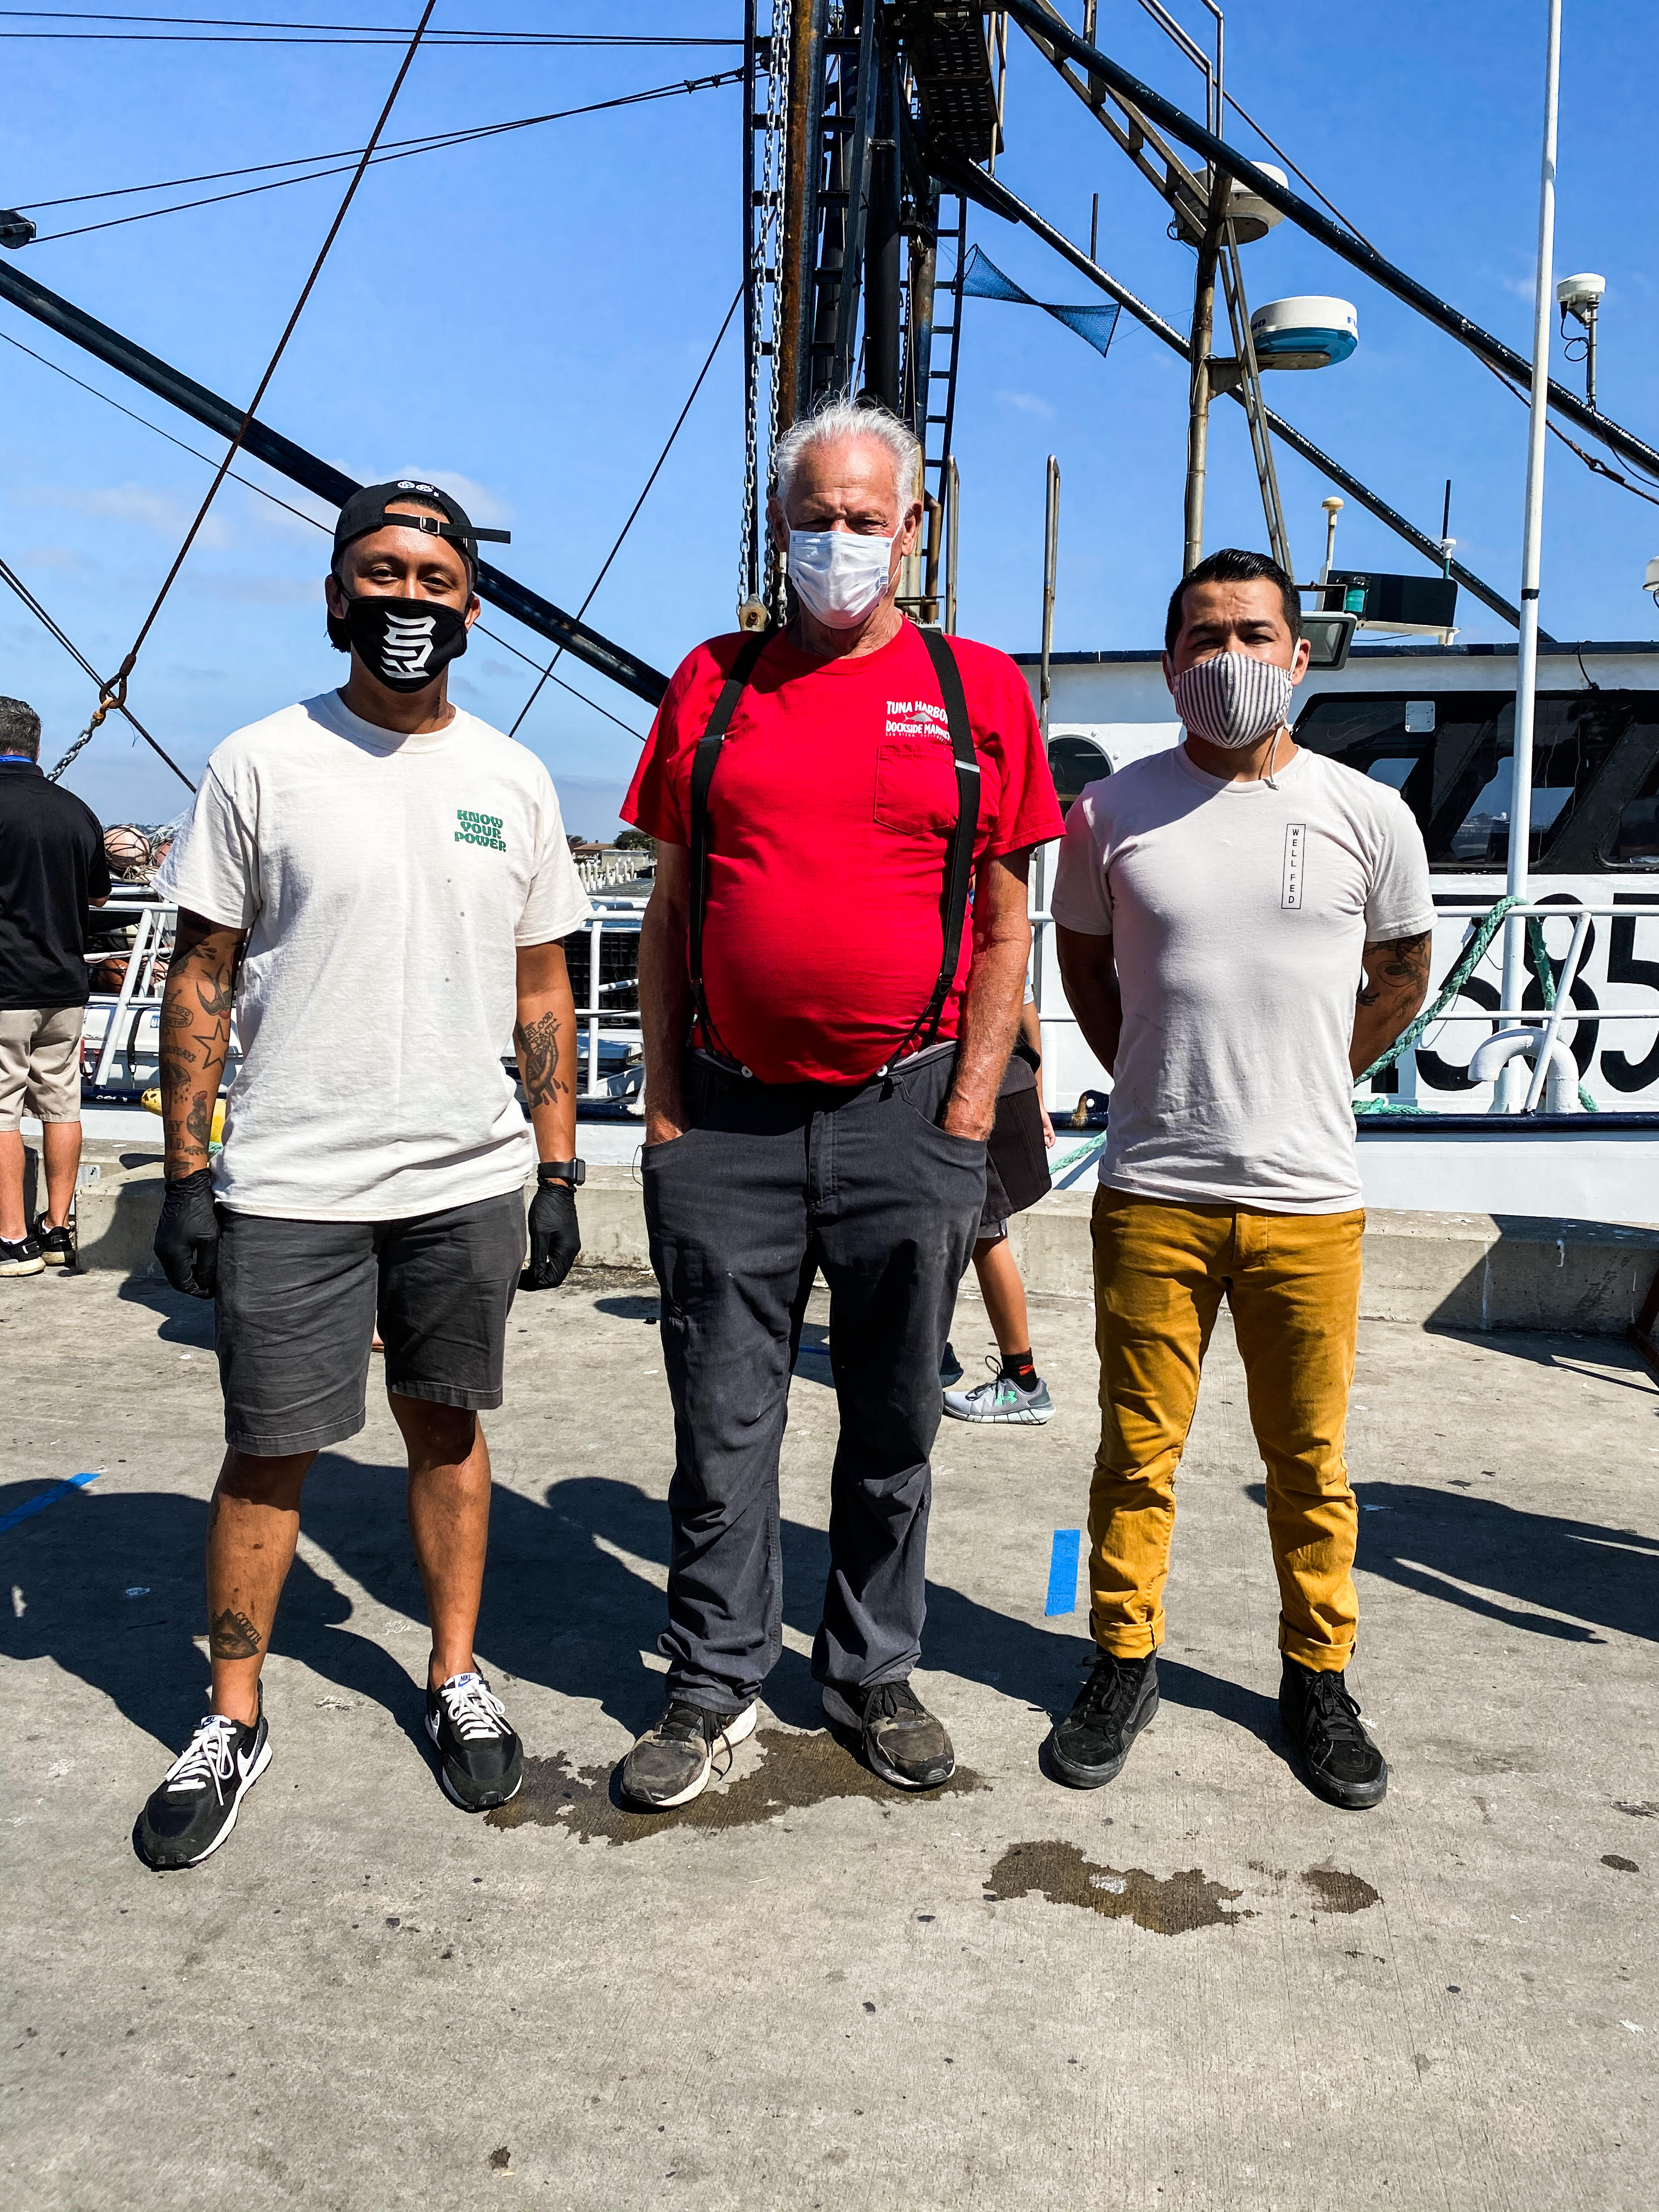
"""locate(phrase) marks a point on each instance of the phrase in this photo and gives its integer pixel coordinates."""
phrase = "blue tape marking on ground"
(46, 1497)
(1062, 1572)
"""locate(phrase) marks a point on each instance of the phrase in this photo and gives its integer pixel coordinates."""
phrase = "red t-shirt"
(830, 817)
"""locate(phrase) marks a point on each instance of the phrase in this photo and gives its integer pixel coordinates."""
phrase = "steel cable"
(637, 505)
(15, 582)
(115, 694)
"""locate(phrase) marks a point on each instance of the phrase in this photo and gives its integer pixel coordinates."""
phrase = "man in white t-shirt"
(1242, 926)
(378, 884)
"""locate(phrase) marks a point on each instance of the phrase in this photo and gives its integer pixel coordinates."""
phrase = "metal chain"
(82, 741)
(768, 247)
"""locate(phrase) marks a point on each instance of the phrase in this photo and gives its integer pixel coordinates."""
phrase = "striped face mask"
(1232, 700)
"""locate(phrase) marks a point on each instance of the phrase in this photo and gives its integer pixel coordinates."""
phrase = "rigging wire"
(315, 521)
(638, 504)
(1592, 461)
(115, 695)
(435, 142)
(9, 577)
(321, 34)
(423, 141)
(58, 369)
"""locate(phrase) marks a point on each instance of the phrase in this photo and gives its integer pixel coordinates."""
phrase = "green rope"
(1473, 953)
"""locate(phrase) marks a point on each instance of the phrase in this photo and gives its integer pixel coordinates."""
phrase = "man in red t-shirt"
(821, 1101)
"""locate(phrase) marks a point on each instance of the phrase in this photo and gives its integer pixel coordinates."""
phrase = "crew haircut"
(835, 417)
(1233, 566)
(20, 729)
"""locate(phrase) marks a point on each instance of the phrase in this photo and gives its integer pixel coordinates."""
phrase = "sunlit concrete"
(1199, 1988)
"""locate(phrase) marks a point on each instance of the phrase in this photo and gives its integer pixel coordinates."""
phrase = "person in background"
(1242, 926)
(825, 1030)
(375, 1155)
(51, 870)
(1016, 1177)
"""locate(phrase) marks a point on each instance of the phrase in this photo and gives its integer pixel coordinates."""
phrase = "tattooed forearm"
(233, 1635)
(195, 1037)
(1394, 967)
(539, 1059)
(1396, 983)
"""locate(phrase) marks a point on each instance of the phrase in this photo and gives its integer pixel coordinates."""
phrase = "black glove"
(555, 1239)
(187, 1235)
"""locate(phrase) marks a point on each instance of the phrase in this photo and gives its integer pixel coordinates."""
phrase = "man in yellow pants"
(1242, 926)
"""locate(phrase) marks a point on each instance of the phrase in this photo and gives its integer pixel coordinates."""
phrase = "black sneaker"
(188, 1818)
(1338, 1761)
(903, 1741)
(1090, 1746)
(480, 1759)
(20, 1256)
(672, 1763)
(949, 1370)
(56, 1245)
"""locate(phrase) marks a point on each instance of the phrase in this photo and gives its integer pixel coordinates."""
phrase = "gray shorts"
(298, 1302)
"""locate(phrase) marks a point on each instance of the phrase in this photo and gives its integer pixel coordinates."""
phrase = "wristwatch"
(574, 1172)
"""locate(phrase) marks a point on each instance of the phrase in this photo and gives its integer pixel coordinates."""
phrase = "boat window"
(1633, 841)
(1393, 767)
(1596, 759)
(1073, 763)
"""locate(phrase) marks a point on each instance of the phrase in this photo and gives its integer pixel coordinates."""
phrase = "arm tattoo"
(1394, 967)
(539, 1057)
(233, 1635)
(196, 1014)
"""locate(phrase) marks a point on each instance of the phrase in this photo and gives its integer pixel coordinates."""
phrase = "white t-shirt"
(385, 883)
(1238, 913)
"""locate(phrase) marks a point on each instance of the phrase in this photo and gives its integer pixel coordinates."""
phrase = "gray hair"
(837, 417)
(20, 729)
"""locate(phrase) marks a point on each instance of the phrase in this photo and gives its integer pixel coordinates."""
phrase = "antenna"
(1332, 507)
(1581, 298)
(1446, 542)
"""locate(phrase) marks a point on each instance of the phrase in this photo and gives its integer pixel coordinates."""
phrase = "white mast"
(1511, 1087)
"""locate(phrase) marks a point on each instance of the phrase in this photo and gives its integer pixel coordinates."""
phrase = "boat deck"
(1199, 1988)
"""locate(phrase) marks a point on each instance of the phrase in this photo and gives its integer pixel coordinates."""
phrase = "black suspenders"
(959, 857)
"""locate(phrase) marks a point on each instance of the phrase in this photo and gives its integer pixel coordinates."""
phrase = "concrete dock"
(1199, 1988)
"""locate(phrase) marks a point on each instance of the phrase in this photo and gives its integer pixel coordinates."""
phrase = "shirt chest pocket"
(916, 787)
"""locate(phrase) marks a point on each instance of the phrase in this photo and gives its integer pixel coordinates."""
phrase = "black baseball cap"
(376, 507)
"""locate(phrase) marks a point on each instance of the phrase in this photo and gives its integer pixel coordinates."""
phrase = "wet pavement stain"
(1340, 1892)
(1173, 1906)
(796, 1772)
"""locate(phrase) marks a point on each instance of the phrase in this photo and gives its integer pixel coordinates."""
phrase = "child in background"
(1015, 1176)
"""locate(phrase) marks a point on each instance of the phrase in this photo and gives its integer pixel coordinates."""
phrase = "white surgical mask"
(839, 575)
(1232, 700)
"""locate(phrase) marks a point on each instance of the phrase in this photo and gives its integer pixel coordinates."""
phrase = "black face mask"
(403, 643)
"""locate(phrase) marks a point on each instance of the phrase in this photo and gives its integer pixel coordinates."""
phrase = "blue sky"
(524, 318)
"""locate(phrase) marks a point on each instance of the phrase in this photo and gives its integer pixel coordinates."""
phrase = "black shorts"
(1016, 1156)
(298, 1302)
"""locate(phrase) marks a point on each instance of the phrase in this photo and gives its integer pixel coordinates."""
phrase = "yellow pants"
(1292, 1281)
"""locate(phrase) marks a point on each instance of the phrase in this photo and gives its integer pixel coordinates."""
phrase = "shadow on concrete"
(572, 1599)
(111, 1588)
(1476, 1552)
(1258, 1715)
(181, 1318)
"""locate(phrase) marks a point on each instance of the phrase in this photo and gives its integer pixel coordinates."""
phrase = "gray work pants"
(770, 1183)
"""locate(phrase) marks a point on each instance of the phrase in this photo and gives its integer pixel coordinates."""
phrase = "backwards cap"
(380, 507)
